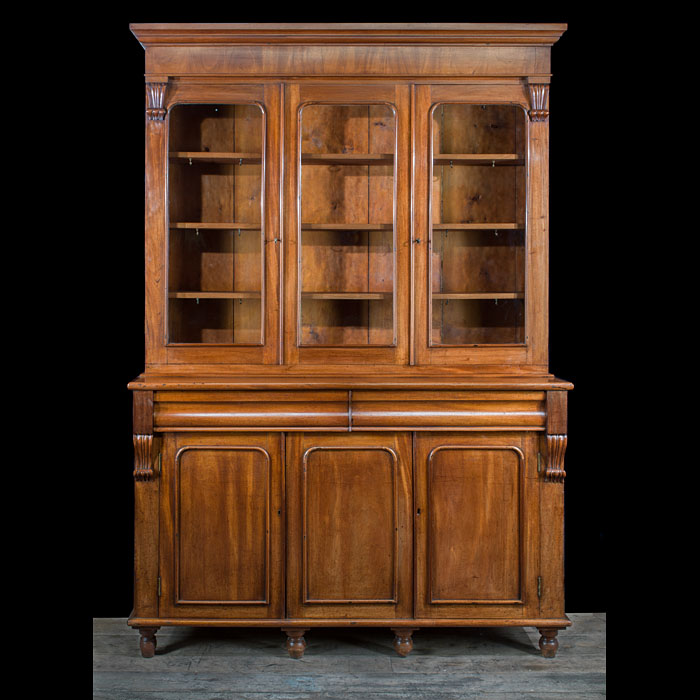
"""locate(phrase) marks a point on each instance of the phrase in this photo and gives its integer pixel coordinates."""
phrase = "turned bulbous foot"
(549, 643)
(403, 640)
(296, 644)
(148, 641)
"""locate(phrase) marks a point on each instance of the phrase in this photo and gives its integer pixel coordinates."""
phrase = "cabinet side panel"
(146, 533)
(537, 299)
(551, 524)
(156, 147)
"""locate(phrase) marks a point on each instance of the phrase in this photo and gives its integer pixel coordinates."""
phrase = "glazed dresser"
(346, 416)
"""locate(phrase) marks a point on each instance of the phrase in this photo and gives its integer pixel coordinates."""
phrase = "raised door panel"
(349, 543)
(222, 527)
(475, 511)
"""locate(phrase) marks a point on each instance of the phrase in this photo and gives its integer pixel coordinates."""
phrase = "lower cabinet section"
(397, 529)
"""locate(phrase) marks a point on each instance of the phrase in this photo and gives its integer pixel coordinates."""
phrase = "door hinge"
(159, 586)
(539, 462)
(539, 586)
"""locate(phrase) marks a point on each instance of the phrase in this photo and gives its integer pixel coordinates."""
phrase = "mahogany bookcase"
(346, 415)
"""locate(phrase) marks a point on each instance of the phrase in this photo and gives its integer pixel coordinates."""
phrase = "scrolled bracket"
(155, 101)
(539, 102)
(556, 447)
(143, 459)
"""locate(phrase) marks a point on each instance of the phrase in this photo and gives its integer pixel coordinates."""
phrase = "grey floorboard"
(352, 664)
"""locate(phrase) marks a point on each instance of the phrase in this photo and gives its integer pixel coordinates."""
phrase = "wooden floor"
(349, 664)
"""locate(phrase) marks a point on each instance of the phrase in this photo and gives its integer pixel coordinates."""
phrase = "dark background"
(112, 120)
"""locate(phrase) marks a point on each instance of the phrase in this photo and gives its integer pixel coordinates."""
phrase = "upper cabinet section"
(329, 196)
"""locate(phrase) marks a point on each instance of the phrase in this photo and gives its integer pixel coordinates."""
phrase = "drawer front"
(448, 410)
(251, 410)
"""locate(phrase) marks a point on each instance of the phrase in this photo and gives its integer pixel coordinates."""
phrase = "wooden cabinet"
(346, 415)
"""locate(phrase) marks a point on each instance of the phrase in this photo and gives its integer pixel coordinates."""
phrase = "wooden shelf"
(478, 159)
(208, 225)
(347, 295)
(478, 295)
(212, 157)
(480, 226)
(347, 158)
(347, 227)
(214, 295)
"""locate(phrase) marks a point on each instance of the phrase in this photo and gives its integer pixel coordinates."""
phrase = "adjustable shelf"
(492, 159)
(478, 295)
(214, 295)
(215, 157)
(208, 225)
(347, 295)
(347, 158)
(478, 226)
(347, 227)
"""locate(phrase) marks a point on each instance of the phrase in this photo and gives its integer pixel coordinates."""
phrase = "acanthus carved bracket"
(143, 458)
(155, 101)
(539, 102)
(556, 447)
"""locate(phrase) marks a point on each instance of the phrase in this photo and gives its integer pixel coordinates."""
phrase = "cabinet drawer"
(419, 410)
(251, 410)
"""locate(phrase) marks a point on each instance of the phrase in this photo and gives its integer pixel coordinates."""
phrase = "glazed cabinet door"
(476, 525)
(347, 184)
(479, 227)
(349, 551)
(221, 526)
(213, 226)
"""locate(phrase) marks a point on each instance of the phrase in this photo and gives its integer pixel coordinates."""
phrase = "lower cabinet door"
(221, 526)
(350, 533)
(476, 525)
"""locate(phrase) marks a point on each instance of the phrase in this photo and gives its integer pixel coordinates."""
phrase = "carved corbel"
(556, 447)
(143, 457)
(539, 102)
(155, 100)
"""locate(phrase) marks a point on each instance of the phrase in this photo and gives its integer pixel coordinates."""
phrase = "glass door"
(471, 227)
(347, 226)
(221, 240)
